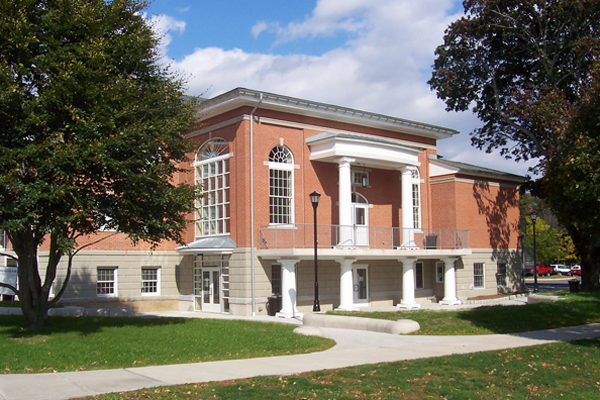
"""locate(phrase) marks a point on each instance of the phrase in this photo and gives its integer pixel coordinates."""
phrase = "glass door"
(361, 285)
(208, 289)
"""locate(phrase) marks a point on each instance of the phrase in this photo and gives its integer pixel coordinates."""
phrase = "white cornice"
(244, 97)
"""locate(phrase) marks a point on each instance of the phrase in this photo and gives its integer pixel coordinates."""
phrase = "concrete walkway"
(353, 348)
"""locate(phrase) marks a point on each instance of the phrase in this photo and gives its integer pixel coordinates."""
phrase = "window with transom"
(416, 197)
(281, 186)
(212, 175)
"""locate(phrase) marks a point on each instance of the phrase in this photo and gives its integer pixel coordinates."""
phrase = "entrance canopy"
(213, 244)
(375, 152)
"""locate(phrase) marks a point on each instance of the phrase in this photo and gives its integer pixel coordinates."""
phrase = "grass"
(79, 344)
(557, 371)
(574, 309)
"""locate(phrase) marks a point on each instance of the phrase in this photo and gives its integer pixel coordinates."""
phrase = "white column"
(345, 201)
(408, 286)
(408, 234)
(449, 283)
(288, 289)
(346, 286)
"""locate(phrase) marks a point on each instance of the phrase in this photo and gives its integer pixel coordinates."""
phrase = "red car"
(542, 269)
(576, 270)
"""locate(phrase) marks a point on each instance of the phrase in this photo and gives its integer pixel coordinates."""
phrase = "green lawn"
(557, 371)
(78, 344)
(575, 309)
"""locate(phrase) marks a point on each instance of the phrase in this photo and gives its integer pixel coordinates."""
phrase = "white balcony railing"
(300, 236)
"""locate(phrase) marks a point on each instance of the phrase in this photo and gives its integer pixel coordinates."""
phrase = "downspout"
(252, 250)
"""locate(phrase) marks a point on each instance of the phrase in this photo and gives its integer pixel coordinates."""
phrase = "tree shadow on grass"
(577, 309)
(13, 324)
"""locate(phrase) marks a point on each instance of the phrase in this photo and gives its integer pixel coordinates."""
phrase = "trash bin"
(574, 285)
(273, 305)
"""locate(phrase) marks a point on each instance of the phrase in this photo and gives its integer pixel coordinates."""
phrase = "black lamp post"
(314, 199)
(535, 272)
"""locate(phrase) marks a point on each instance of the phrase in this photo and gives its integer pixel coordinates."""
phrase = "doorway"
(360, 281)
(360, 220)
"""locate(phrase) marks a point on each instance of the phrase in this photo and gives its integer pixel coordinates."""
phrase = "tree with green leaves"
(90, 135)
(529, 70)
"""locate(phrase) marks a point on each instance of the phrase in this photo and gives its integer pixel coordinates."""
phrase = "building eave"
(241, 97)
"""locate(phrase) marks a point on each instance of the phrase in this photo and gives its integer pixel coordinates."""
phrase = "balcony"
(366, 238)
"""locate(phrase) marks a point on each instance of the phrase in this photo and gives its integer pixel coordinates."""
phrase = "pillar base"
(413, 306)
(297, 315)
(454, 302)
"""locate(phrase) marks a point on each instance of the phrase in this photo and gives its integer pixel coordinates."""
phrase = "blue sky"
(372, 55)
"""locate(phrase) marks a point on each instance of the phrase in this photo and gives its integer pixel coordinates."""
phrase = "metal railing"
(300, 236)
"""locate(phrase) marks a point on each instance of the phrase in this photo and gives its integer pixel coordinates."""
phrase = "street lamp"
(314, 199)
(535, 272)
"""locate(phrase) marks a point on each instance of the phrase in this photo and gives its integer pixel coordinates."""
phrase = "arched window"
(416, 197)
(281, 186)
(212, 174)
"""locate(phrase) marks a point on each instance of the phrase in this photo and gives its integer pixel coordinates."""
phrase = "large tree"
(527, 69)
(90, 135)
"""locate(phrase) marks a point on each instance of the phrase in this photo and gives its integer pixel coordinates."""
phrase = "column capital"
(345, 160)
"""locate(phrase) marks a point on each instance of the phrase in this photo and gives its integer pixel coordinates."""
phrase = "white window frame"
(287, 168)
(416, 197)
(212, 174)
(150, 281)
(114, 281)
(440, 270)
(357, 178)
(419, 266)
(503, 275)
(481, 276)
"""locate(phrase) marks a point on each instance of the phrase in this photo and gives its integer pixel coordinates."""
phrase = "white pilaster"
(408, 235)
(449, 283)
(346, 287)
(345, 201)
(408, 286)
(288, 289)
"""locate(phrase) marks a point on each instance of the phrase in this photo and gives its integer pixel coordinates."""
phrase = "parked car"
(542, 269)
(575, 270)
(560, 269)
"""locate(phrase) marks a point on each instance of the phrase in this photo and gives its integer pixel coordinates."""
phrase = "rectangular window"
(276, 279)
(478, 275)
(212, 214)
(280, 196)
(419, 276)
(440, 269)
(360, 178)
(106, 281)
(501, 274)
(150, 281)
(416, 206)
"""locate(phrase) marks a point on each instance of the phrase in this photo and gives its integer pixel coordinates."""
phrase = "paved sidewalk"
(353, 348)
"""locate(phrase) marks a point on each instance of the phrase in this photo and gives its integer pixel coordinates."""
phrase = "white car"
(560, 269)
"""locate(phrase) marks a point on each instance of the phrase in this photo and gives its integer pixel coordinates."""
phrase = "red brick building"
(397, 225)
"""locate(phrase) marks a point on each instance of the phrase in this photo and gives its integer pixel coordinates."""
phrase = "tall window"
(416, 197)
(419, 281)
(478, 275)
(106, 281)
(212, 174)
(440, 268)
(501, 274)
(281, 183)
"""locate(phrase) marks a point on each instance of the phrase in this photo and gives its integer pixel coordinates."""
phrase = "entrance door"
(360, 280)
(360, 219)
(209, 299)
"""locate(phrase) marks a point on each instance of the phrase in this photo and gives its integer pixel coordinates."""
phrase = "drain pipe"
(252, 250)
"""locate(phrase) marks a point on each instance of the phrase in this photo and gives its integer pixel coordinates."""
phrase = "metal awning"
(213, 244)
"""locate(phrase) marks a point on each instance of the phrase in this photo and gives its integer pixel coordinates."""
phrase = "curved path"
(353, 348)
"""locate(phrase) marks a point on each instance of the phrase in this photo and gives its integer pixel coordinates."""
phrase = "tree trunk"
(588, 248)
(33, 298)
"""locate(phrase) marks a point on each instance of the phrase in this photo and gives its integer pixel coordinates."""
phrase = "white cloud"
(383, 68)
(163, 25)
